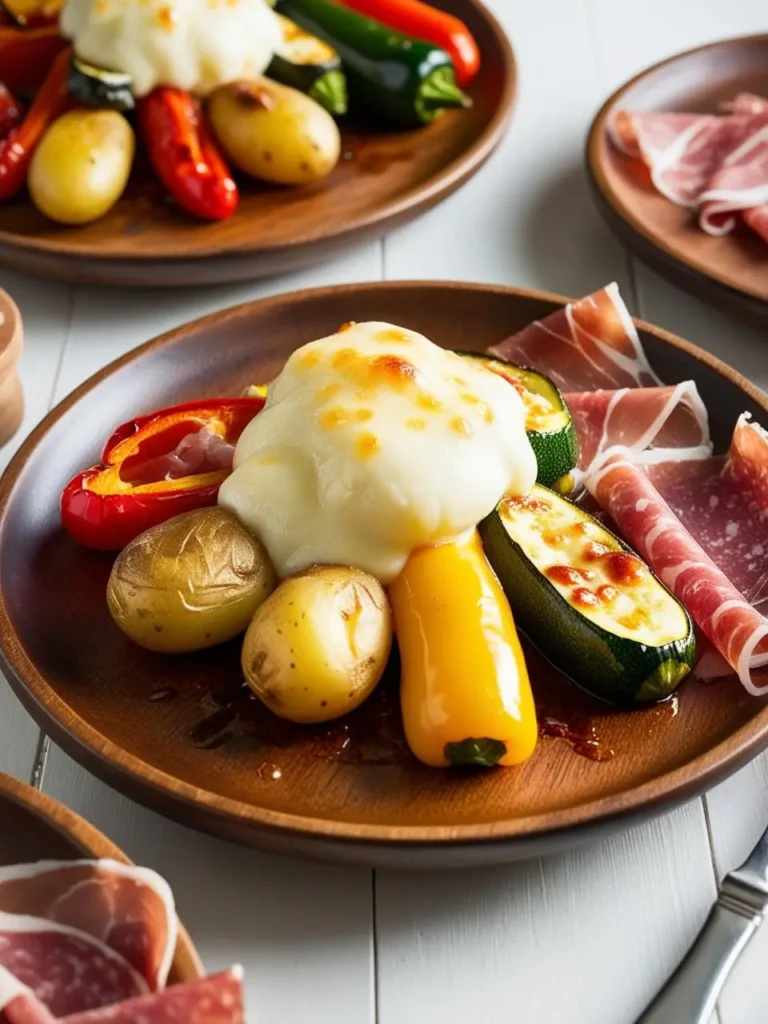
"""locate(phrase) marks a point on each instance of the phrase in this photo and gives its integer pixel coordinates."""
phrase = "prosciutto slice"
(586, 346)
(18, 1004)
(67, 970)
(129, 909)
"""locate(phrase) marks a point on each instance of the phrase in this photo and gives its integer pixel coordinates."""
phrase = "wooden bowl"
(382, 180)
(36, 827)
(11, 397)
(730, 271)
(174, 733)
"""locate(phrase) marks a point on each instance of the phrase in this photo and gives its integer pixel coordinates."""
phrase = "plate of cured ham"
(397, 573)
(87, 937)
(677, 161)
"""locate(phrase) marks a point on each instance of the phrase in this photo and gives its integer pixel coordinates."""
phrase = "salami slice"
(129, 909)
(217, 999)
(67, 970)
(587, 345)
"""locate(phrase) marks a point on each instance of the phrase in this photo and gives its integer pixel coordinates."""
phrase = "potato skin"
(189, 583)
(81, 166)
(319, 645)
(273, 132)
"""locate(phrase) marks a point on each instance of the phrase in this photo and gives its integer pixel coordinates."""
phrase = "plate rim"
(93, 843)
(416, 199)
(135, 776)
(656, 249)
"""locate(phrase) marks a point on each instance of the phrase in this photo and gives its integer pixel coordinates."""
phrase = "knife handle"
(690, 995)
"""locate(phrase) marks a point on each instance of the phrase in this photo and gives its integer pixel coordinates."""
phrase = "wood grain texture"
(11, 398)
(382, 180)
(36, 827)
(86, 683)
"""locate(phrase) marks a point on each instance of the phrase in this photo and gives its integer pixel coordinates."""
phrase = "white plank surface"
(583, 938)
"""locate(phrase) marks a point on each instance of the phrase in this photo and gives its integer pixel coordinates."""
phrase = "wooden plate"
(36, 827)
(159, 728)
(381, 181)
(731, 271)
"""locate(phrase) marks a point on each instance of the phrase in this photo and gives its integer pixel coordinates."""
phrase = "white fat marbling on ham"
(129, 909)
(67, 970)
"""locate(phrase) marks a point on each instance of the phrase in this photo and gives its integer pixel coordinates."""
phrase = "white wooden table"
(583, 938)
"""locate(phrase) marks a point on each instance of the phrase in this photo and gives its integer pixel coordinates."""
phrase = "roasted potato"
(273, 132)
(318, 646)
(191, 582)
(81, 166)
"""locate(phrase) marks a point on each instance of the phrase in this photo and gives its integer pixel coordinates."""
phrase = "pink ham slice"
(587, 345)
(217, 999)
(67, 970)
(129, 909)
(18, 1004)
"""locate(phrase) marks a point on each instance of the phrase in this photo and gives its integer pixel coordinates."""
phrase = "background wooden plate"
(382, 180)
(731, 271)
(159, 728)
(35, 827)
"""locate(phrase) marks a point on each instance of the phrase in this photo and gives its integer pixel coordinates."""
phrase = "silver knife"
(690, 995)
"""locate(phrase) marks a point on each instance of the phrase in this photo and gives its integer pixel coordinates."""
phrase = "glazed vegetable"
(390, 75)
(312, 66)
(81, 165)
(273, 132)
(11, 111)
(422, 21)
(17, 148)
(97, 87)
(319, 645)
(464, 692)
(548, 422)
(27, 55)
(184, 154)
(595, 609)
(135, 486)
(189, 583)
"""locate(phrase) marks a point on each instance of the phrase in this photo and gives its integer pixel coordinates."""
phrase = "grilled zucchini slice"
(98, 87)
(310, 65)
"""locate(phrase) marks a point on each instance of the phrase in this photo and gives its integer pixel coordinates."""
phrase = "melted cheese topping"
(374, 442)
(608, 586)
(195, 45)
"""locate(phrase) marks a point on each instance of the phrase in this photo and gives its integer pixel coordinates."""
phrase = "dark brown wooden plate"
(382, 180)
(164, 729)
(36, 827)
(730, 272)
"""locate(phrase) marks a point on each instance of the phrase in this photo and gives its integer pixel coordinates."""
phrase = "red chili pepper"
(184, 154)
(108, 505)
(17, 148)
(414, 18)
(27, 54)
(11, 111)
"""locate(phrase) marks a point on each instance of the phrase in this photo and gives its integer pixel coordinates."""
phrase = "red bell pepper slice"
(11, 111)
(108, 505)
(27, 55)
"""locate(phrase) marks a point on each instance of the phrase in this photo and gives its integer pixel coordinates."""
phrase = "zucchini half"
(604, 621)
(98, 87)
(548, 422)
(310, 65)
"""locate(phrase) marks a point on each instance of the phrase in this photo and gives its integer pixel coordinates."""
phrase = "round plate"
(160, 728)
(36, 827)
(382, 180)
(731, 271)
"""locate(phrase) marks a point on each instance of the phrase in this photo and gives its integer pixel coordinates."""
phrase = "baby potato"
(191, 582)
(81, 166)
(318, 646)
(273, 132)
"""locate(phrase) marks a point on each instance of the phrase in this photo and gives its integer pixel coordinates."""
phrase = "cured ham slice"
(202, 451)
(639, 418)
(129, 909)
(740, 182)
(217, 999)
(67, 970)
(18, 1004)
(587, 345)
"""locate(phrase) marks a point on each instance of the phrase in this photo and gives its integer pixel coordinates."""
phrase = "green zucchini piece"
(98, 87)
(548, 421)
(631, 644)
(391, 76)
(310, 65)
